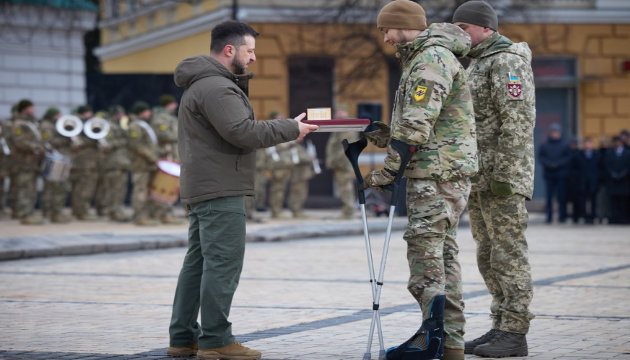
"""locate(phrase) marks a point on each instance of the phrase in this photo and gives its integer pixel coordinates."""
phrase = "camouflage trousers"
(498, 226)
(344, 182)
(54, 197)
(433, 210)
(297, 196)
(277, 187)
(140, 201)
(260, 189)
(114, 192)
(83, 189)
(25, 193)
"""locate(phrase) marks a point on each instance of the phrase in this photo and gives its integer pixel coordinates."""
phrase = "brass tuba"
(70, 126)
(97, 128)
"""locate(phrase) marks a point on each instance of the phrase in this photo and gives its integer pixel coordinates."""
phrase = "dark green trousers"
(210, 274)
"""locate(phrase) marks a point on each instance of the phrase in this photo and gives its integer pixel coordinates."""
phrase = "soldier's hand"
(380, 136)
(305, 129)
(377, 179)
(502, 189)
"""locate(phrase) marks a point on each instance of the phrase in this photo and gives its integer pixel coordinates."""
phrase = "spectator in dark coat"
(555, 157)
(573, 188)
(586, 166)
(617, 163)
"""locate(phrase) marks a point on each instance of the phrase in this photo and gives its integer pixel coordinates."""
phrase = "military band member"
(28, 147)
(83, 174)
(143, 150)
(115, 166)
(55, 193)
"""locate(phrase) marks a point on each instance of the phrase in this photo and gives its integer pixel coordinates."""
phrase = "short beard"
(238, 67)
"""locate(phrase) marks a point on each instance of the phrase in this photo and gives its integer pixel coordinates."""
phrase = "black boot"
(503, 344)
(428, 342)
(471, 345)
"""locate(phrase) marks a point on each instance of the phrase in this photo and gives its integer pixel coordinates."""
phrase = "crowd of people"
(97, 183)
(86, 157)
(594, 182)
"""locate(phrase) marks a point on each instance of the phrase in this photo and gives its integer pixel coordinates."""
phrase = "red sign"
(515, 90)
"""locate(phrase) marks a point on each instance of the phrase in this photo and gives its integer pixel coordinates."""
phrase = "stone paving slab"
(310, 299)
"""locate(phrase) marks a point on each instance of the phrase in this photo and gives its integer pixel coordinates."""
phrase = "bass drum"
(56, 167)
(165, 184)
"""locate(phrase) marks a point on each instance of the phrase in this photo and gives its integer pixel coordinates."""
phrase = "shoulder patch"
(163, 127)
(17, 131)
(133, 134)
(421, 92)
(514, 87)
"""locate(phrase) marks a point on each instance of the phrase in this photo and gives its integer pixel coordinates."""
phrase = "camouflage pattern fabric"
(83, 189)
(505, 118)
(498, 226)
(501, 81)
(433, 107)
(28, 148)
(140, 201)
(114, 165)
(165, 126)
(433, 210)
(433, 110)
(277, 187)
(55, 193)
(260, 182)
(343, 174)
(301, 173)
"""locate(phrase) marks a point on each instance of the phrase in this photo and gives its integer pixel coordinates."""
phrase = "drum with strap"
(56, 166)
(165, 184)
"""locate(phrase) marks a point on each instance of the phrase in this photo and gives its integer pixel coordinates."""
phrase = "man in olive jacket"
(218, 136)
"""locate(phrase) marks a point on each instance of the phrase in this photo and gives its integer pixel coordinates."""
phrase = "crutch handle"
(405, 151)
(352, 151)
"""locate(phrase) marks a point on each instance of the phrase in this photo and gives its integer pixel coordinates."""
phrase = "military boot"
(145, 222)
(428, 342)
(453, 354)
(472, 344)
(234, 351)
(60, 219)
(182, 351)
(503, 344)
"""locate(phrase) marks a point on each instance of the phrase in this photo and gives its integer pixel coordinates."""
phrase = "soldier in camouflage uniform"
(115, 166)
(164, 124)
(502, 86)
(5, 152)
(28, 150)
(55, 193)
(337, 162)
(84, 172)
(280, 166)
(143, 149)
(433, 111)
(301, 173)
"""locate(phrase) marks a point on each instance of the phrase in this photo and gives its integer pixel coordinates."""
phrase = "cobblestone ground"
(309, 299)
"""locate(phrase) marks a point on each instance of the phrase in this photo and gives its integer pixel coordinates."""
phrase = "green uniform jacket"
(501, 81)
(217, 132)
(143, 146)
(433, 107)
(27, 145)
(165, 126)
(116, 157)
(62, 144)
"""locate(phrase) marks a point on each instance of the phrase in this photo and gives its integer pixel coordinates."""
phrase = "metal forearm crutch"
(352, 151)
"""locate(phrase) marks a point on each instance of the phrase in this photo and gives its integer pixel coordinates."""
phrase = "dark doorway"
(556, 99)
(311, 85)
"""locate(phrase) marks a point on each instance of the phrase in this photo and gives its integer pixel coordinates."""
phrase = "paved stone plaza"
(309, 298)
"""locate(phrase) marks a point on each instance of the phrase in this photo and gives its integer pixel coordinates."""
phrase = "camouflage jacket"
(501, 81)
(143, 146)
(433, 107)
(165, 126)
(115, 152)
(56, 141)
(27, 145)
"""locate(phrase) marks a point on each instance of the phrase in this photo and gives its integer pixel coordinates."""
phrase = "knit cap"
(402, 14)
(477, 13)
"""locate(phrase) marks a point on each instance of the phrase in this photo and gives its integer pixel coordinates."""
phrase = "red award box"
(339, 125)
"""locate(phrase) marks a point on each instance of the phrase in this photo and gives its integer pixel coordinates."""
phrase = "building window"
(111, 9)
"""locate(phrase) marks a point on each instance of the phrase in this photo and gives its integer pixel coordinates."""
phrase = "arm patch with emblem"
(422, 91)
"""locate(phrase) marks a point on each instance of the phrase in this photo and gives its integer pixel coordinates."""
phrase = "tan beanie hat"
(402, 14)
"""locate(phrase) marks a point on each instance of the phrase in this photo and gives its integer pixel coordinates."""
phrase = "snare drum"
(165, 184)
(56, 167)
